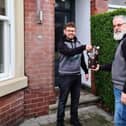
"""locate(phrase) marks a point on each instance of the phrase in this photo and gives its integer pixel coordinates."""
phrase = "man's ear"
(64, 31)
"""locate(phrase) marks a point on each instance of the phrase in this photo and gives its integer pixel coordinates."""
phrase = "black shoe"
(60, 124)
(75, 123)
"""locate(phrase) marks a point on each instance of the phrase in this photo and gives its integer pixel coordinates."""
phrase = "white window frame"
(9, 47)
(14, 79)
(113, 7)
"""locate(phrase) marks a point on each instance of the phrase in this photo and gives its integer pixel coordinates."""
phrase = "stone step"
(86, 99)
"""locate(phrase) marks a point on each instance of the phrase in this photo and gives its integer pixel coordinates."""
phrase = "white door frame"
(82, 19)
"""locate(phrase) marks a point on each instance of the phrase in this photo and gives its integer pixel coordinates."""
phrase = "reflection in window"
(1, 48)
(62, 4)
(2, 7)
(117, 2)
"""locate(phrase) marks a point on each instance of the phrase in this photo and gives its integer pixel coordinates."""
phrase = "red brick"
(39, 64)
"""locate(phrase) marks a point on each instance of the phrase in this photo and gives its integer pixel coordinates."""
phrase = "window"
(6, 39)
(115, 4)
(2, 7)
(12, 76)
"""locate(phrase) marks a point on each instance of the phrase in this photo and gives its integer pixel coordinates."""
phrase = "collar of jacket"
(124, 37)
(69, 40)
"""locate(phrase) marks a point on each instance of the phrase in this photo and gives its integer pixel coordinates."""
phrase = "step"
(86, 99)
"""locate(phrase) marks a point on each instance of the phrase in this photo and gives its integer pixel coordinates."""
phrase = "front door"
(64, 12)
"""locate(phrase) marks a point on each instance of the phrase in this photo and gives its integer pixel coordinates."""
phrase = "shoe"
(75, 123)
(60, 124)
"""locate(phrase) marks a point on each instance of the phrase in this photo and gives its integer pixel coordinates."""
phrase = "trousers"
(69, 84)
(120, 109)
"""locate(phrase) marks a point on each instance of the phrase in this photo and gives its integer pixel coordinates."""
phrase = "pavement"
(89, 116)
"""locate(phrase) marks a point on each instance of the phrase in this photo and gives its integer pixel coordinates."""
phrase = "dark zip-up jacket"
(118, 73)
(71, 57)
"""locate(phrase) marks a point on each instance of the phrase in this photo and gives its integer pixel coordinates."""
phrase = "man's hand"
(89, 47)
(97, 68)
(86, 76)
(123, 98)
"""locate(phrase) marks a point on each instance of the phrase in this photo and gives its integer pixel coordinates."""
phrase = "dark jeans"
(69, 84)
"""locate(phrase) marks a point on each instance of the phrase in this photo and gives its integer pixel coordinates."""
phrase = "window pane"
(62, 4)
(118, 2)
(2, 7)
(1, 47)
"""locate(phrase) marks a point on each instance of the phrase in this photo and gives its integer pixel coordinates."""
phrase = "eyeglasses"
(119, 25)
(70, 30)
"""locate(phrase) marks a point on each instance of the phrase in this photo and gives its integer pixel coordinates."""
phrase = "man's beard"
(119, 35)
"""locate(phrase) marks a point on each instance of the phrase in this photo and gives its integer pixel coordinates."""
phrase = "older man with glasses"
(118, 69)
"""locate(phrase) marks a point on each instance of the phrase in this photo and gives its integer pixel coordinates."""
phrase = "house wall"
(12, 90)
(39, 63)
(98, 6)
(39, 57)
(12, 109)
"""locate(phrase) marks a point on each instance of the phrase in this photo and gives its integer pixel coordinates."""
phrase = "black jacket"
(68, 49)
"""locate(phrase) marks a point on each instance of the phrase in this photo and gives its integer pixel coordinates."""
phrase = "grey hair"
(120, 16)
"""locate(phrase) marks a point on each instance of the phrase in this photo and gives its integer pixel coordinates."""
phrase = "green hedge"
(102, 35)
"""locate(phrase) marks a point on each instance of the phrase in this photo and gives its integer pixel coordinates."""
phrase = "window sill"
(13, 85)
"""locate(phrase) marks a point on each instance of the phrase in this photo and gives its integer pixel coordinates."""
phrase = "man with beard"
(118, 70)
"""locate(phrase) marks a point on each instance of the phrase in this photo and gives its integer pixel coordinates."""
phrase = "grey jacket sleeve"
(124, 55)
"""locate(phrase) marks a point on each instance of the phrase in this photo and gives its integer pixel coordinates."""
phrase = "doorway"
(82, 19)
(79, 12)
(64, 12)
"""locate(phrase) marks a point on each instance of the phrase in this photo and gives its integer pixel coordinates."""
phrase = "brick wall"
(39, 65)
(39, 54)
(12, 109)
(39, 57)
(93, 9)
(98, 6)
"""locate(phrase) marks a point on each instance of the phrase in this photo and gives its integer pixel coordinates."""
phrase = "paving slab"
(89, 116)
(30, 122)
